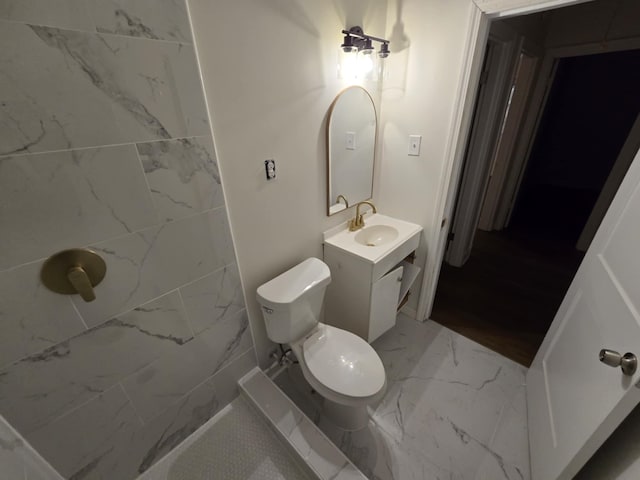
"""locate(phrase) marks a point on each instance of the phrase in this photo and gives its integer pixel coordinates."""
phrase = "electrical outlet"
(270, 169)
(414, 145)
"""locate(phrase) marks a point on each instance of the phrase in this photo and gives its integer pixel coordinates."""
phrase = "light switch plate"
(350, 141)
(414, 145)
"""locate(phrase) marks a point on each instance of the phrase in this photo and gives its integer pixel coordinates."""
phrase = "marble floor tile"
(453, 410)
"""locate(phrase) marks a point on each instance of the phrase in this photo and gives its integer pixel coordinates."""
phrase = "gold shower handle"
(80, 281)
(74, 271)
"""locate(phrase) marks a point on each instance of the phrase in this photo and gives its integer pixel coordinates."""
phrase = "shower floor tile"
(240, 447)
(453, 409)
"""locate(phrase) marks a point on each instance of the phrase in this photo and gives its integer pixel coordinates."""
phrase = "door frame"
(483, 139)
(480, 16)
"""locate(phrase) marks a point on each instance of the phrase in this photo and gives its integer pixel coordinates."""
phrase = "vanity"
(371, 256)
(371, 273)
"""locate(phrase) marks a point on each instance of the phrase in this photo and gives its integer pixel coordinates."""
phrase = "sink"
(376, 235)
(383, 241)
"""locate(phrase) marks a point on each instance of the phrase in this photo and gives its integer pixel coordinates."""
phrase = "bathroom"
(98, 96)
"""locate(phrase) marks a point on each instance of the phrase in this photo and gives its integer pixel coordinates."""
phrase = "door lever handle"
(627, 362)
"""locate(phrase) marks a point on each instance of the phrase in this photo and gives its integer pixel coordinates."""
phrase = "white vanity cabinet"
(366, 290)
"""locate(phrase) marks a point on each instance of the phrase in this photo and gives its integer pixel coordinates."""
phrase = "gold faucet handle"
(80, 281)
(74, 271)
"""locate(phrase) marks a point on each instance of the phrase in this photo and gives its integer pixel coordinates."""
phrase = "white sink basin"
(376, 235)
(382, 240)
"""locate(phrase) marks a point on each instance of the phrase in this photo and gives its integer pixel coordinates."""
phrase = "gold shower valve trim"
(72, 271)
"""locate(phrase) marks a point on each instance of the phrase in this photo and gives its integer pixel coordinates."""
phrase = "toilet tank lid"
(290, 285)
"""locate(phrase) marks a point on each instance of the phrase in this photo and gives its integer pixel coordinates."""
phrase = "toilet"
(339, 365)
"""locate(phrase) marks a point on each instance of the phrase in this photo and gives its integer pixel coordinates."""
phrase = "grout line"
(126, 394)
(186, 314)
(96, 243)
(102, 146)
(79, 315)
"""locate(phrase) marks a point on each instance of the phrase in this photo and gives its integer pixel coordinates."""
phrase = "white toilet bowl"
(345, 370)
(339, 365)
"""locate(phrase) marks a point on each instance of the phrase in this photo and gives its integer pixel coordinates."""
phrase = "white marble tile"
(71, 14)
(445, 394)
(379, 456)
(74, 89)
(213, 298)
(149, 263)
(453, 410)
(90, 434)
(11, 452)
(167, 430)
(73, 198)
(163, 437)
(18, 460)
(32, 318)
(38, 469)
(508, 454)
(156, 387)
(316, 450)
(155, 19)
(451, 375)
(183, 176)
(116, 445)
(41, 387)
(224, 341)
(273, 404)
(226, 379)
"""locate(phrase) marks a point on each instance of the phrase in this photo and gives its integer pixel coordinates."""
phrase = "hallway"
(506, 295)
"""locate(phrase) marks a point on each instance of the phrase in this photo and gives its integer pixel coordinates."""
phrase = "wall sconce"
(356, 40)
(358, 61)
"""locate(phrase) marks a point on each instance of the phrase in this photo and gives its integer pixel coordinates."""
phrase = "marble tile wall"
(18, 460)
(105, 143)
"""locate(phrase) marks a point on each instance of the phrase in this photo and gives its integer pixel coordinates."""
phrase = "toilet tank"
(291, 303)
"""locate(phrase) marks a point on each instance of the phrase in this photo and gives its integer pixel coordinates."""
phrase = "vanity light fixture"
(356, 41)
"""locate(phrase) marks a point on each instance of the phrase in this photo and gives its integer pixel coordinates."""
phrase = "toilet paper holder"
(74, 271)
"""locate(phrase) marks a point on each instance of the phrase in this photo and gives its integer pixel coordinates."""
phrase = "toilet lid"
(343, 362)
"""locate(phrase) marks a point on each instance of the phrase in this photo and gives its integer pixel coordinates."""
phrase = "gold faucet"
(357, 222)
(343, 198)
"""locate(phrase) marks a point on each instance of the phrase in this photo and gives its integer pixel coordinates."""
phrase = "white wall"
(419, 98)
(269, 72)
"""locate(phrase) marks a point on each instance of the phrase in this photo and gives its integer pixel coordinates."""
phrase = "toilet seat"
(341, 366)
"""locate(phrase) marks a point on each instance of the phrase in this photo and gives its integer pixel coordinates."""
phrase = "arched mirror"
(351, 141)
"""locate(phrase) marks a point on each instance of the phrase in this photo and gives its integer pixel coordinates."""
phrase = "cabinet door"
(384, 303)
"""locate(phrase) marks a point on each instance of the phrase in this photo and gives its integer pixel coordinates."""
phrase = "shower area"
(106, 144)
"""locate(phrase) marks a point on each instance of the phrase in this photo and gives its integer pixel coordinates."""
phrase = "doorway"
(506, 294)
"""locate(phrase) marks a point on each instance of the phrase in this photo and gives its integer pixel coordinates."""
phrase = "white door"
(575, 401)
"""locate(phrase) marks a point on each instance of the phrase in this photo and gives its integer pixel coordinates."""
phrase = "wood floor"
(506, 295)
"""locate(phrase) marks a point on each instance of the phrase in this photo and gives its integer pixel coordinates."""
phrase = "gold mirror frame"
(348, 195)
